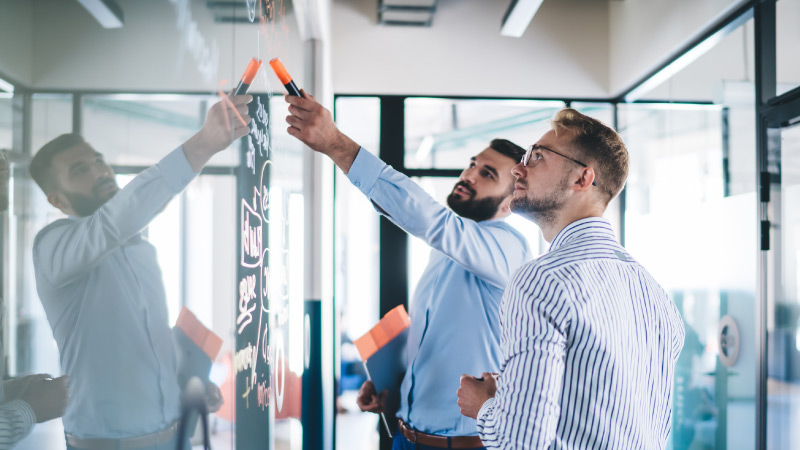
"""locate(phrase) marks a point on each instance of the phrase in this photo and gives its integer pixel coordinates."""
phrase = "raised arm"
(67, 248)
(492, 252)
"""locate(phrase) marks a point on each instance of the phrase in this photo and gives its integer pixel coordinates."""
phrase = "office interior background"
(706, 94)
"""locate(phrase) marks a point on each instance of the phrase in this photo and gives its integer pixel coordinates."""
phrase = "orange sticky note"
(392, 324)
(202, 337)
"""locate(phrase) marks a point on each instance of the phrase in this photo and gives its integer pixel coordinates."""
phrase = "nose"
(468, 175)
(519, 170)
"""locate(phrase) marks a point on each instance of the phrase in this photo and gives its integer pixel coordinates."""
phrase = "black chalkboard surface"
(252, 357)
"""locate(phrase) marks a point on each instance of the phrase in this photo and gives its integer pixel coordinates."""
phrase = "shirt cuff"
(486, 410)
(25, 412)
(177, 170)
(365, 171)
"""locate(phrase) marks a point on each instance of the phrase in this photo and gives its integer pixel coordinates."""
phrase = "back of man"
(613, 335)
(590, 340)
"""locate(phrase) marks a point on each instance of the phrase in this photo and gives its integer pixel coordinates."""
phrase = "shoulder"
(504, 231)
(51, 230)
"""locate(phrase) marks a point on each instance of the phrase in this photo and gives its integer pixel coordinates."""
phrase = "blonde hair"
(597, 145)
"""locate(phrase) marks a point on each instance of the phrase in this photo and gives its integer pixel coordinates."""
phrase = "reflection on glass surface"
(443, 133)
(52, 116)
(684, 223)
(357, 278)
(6, 118)
(137, 130)
(783, 318)
(788, 40)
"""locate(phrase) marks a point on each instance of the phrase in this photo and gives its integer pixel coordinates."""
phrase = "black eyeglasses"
(527, 156)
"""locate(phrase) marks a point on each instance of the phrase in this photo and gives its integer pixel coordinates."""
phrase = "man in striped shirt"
(589, 338)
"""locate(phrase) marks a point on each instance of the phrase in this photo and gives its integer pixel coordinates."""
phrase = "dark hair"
(40, 164)
(507, 148)
(599, 146)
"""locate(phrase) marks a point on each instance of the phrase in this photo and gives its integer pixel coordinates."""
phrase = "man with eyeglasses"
(589, 338)
(454, 315)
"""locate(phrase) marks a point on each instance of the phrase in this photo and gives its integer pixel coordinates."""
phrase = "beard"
(86, 205)
(543, 210)
(477, 210)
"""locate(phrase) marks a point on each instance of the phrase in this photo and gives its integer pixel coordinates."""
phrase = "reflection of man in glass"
(101, 287)
(455, 311)
(27, 400)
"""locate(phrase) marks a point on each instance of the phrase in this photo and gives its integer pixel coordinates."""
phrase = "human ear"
(585, 180)
(60, 201)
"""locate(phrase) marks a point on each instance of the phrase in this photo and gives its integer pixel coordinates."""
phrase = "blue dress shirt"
(455, 324)
(101, 288)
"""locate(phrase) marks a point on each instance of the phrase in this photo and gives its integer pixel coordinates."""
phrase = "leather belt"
(148, 440)
(418, 437)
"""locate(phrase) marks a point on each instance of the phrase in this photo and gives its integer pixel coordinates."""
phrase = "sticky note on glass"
(383, 351)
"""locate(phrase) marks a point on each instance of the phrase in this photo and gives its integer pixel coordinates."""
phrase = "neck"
(551, 227)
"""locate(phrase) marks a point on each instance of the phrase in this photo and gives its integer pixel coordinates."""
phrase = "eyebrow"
(488, 167)
(76, 165)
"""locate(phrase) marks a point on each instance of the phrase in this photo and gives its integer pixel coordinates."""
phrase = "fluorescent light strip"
(6, 86)
(106, 12)
(687, 58)
(519, 16)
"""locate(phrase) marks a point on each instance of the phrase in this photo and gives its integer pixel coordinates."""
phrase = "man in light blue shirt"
(28, 400)
(101, 286)
(455, 312)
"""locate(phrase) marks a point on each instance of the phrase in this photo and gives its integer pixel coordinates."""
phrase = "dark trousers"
(401, 443)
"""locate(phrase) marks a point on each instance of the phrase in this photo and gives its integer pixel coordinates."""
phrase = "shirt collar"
(594, 227)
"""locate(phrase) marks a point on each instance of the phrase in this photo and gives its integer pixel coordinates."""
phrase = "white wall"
(71, 51)
(564, 52)
(16, 37)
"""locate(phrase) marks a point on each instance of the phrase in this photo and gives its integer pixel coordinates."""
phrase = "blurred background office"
(706, 93)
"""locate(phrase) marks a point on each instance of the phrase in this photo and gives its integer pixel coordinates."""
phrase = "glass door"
(783, 285)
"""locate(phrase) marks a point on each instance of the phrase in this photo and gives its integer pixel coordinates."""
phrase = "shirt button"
(358, 184)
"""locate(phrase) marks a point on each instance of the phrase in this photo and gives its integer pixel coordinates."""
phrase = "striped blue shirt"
(589, 341)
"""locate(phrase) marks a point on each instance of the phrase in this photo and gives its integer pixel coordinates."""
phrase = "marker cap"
(280, 71)
(251, 71)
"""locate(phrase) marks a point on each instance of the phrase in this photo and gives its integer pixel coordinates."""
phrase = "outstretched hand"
(226, 121)
(312, 124)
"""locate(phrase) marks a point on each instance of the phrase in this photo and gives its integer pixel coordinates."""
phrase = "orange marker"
(283, 75)
(247, 78)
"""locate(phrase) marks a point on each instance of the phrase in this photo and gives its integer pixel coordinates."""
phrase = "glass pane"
(357, 274)
(788, 41)
(138, 130)
(783, 319)
(6, 118)
(52, 117)
(688, 228)
(443, 133)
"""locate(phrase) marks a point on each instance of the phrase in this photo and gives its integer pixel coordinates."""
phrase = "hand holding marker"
(283, 75)
(247, 78)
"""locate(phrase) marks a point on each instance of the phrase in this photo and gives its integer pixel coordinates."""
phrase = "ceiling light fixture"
(107, 12)
(518, 16)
